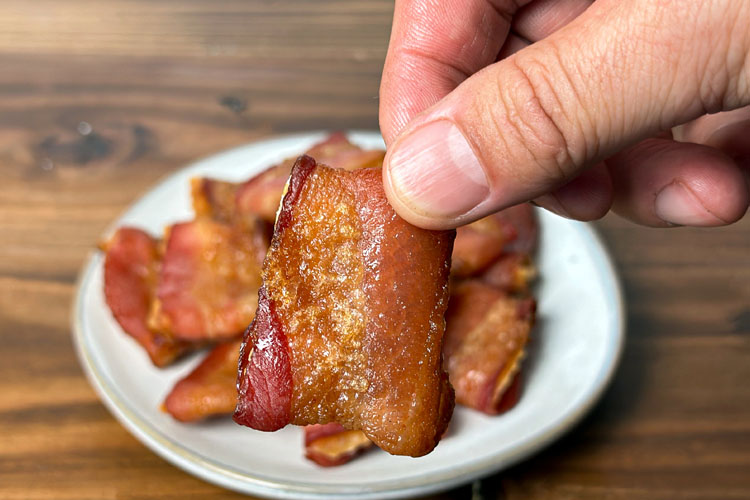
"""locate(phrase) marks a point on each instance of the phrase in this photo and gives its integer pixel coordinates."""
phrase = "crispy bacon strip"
(209, 280)
(523, 220)
(481, 243)
(336, 151)
(484, 344)
(350, 317)
(332, 444)
(130, 268)
(478, 244)
(511, 272)
(260, 195)
(209, 389)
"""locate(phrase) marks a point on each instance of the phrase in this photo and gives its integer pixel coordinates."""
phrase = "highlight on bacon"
(351, 316)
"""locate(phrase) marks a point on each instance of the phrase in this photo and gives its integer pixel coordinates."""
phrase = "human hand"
(571, 104)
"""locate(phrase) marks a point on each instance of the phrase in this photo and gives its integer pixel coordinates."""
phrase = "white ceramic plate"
(575, 350)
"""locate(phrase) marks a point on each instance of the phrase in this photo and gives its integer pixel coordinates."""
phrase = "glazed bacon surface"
(208, 284)
(209, 389)
(485, 337)
(350, 318)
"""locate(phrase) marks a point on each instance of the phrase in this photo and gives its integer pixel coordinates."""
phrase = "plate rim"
(248, 483)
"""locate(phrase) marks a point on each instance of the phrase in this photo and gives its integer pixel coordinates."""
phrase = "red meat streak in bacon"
(130, 268)
(364, 305)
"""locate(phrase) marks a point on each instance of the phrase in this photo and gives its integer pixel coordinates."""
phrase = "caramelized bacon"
(332, 444)
(130, 268)
(484, 343)
(350, 317)
(209, 389)
(209, 280)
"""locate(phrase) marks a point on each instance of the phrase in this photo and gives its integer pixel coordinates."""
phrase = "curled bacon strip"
(130, 268)
(209, 280)
(350, 317)
(332, 444)
(484, 344)
(209, 389)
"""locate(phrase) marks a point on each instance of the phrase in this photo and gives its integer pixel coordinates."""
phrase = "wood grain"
(100, 99)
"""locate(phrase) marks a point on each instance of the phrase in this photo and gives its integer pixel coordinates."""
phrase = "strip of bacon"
(260, 195)
(484, 344)
(332, 444)
(209, 389)
(336, 151)
(130, 267)
(479, 244)
(511, 272)
(209, 280)
(523, 220)
(350, 317)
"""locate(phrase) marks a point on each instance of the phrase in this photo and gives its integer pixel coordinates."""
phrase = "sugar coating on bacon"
(351, 317)
(332, 444)
(209, 280)
(130, 268)
(485, 337)
(209, 389)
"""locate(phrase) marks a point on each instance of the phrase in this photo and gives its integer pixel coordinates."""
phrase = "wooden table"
(98, 100)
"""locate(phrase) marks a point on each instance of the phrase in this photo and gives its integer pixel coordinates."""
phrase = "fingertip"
(587, 197)
(664, 183)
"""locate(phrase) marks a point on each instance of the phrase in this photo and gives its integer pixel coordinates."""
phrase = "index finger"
(434, 46)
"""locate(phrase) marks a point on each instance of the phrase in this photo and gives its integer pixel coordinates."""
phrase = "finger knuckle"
(535, 115)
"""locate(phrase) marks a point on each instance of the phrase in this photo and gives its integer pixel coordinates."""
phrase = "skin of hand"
(639, 106)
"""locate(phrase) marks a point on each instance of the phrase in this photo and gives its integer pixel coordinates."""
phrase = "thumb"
(619, 73)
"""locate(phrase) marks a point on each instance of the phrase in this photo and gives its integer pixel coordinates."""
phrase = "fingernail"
(676, 204)
(435, 172)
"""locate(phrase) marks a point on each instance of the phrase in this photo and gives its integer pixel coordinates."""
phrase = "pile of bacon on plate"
(363, 328)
